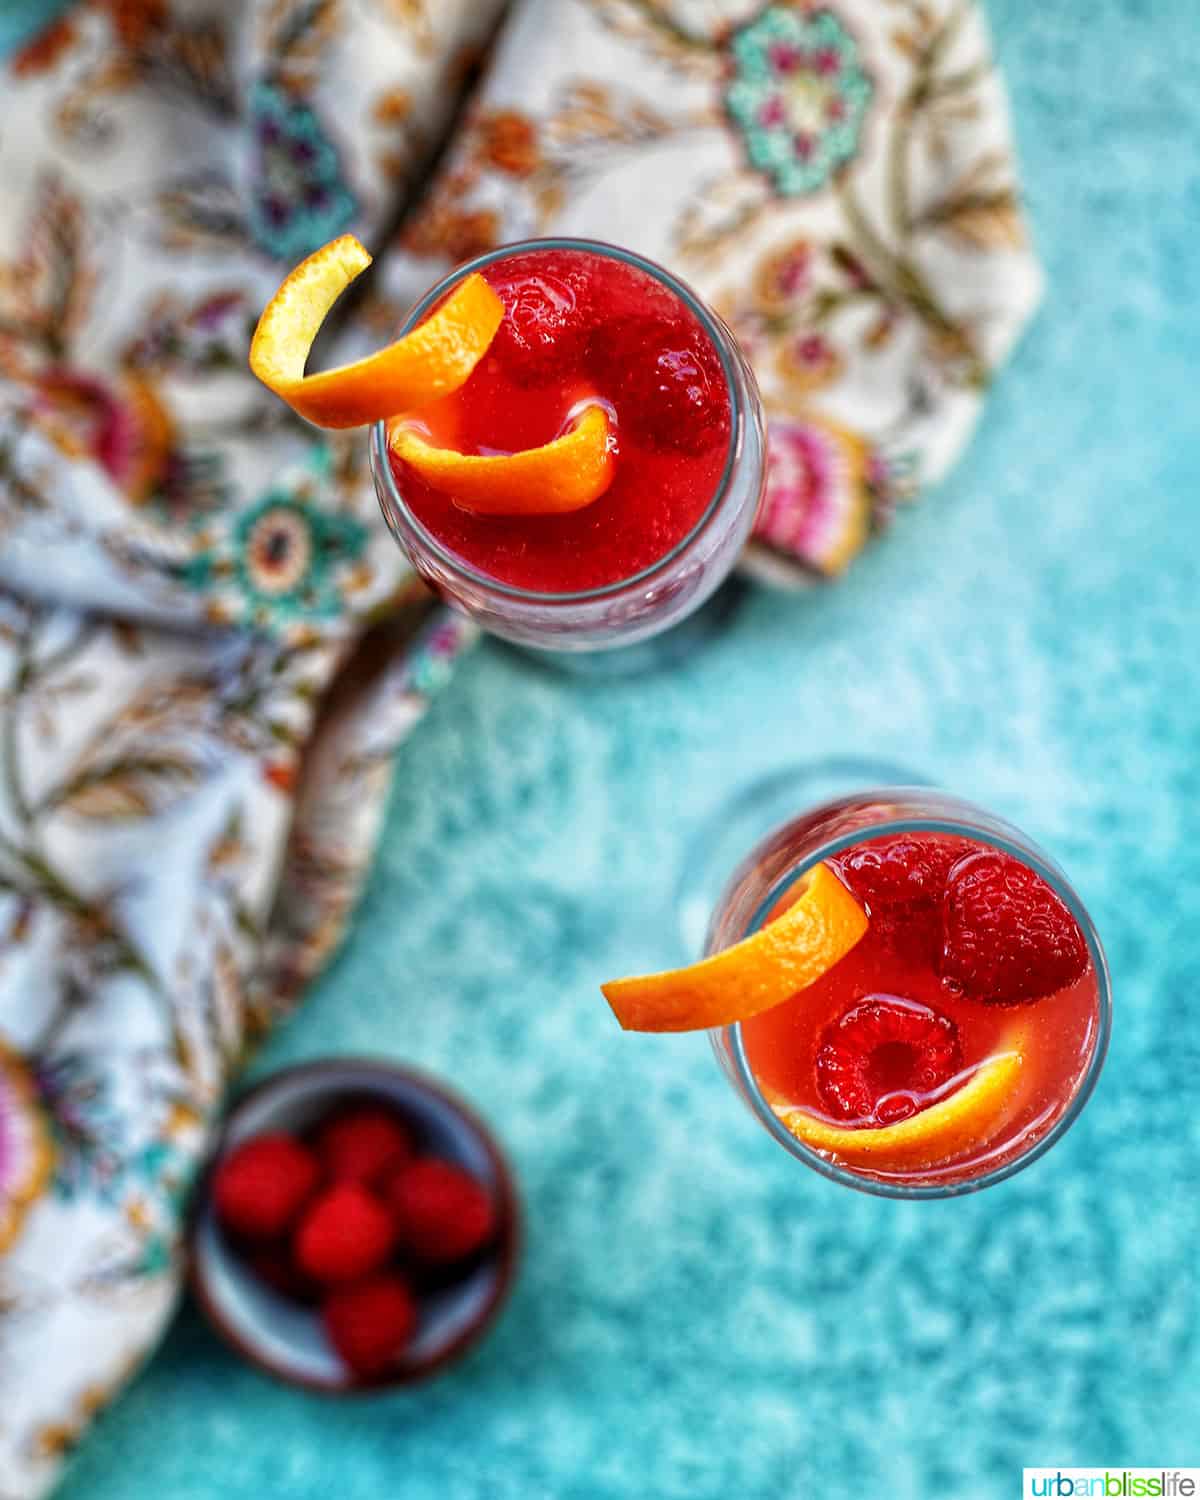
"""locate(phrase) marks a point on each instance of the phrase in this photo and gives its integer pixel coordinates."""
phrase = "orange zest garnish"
(755, 975)
(561, 476)
(431, 361)
(970, 1116)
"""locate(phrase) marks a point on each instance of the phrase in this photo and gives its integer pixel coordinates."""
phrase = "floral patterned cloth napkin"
(209, 648)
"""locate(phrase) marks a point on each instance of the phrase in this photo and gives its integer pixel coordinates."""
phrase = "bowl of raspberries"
(356, 1228)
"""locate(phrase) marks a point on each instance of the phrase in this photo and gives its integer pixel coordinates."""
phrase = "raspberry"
(665, 380)
(261, 1186)
(542, 331)
(441, 1213)
(900, 881)
(879, 1053)
(344, 1235)
(362, 1145)
(903, 870)
(1007, 939)
(370, 1322)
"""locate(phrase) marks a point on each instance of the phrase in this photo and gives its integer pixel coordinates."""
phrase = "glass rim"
(1010, 841)
(719, 336)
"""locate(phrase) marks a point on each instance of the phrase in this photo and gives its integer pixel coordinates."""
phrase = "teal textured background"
(20, 19)
(698, 1316)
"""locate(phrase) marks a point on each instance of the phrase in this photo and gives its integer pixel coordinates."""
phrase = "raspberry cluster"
(354, 1219)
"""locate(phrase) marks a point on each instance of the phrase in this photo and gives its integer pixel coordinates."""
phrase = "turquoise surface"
(698, 1316)
(20, 19)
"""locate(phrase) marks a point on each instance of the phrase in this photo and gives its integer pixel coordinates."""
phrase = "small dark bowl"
(285, 1338)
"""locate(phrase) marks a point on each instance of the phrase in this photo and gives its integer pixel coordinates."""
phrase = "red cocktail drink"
(587, 324)
(964, 1031)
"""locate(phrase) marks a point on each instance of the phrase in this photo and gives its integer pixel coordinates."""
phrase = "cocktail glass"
(771, 1060)
(719, 495)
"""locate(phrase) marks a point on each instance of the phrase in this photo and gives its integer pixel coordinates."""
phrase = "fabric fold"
(210, 648)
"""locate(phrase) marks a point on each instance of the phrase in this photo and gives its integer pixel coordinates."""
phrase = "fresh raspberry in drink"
(546, 318)
(665, 380)
(901, 881)
(879, 1057)
(1007, 939)
(899, 873)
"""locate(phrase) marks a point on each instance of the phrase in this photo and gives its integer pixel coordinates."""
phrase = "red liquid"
(578, 326)
(1059, 1037)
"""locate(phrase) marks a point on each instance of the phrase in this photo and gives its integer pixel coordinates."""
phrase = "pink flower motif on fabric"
(25, 1154)
(818, 501)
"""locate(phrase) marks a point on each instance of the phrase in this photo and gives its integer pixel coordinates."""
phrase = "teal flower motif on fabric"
(798, 95)
(285, 557)
(298, 196)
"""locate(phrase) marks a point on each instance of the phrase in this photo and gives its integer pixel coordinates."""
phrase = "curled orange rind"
(433, 360)
(755, 975)
(969, 1117)
(560, 476)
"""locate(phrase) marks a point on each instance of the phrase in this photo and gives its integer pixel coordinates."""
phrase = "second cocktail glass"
(586, 321)
(969, 915)
(906, 992)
